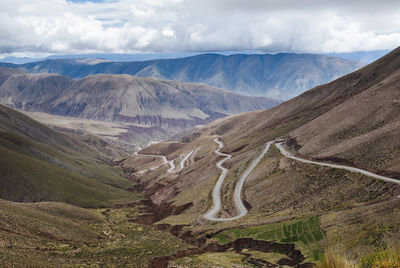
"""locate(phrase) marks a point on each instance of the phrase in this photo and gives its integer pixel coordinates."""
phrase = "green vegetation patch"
(306, 234)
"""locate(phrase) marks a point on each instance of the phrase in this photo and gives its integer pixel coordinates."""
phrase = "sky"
(36, 28)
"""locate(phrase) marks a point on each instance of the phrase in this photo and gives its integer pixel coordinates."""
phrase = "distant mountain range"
(361, 56)
(280, 76)
(108, 57)
(124, 98)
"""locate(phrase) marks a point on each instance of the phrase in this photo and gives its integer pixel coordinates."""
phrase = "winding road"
(182, 163)
(351, 169)
(165, 161)
(237, 195)
(216, 195)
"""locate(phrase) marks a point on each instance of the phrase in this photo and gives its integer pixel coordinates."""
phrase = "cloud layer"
(32, 27)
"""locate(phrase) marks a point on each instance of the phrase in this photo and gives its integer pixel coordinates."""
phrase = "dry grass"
(334, 260)
(389, 258)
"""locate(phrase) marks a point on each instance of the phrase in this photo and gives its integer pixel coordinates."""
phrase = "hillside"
(357, 109)
(40, 164)
(63, 204)
(352, 121)
(32, 92)
(281, 76)
(5, 73)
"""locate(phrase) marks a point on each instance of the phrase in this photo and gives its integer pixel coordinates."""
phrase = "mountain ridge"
(282, 75)
(125, 98)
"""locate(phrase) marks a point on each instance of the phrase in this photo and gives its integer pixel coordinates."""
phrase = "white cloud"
(124, 26)
(168, 32)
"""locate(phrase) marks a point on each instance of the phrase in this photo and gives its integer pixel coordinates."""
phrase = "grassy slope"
(40, 164)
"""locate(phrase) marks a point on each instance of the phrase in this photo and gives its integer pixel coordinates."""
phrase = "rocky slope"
(124, 98)
(281, 76)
